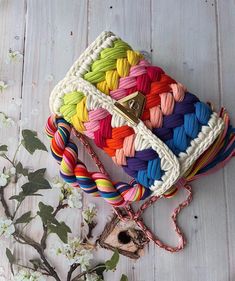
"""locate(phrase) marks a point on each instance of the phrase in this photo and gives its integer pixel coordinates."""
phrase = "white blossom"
(26, 275)
(70, 195)
(74, 199)
(3, 86)
(10, 171)
(93, 277)
(3, 179)
(76, 252)
(89, 213)
(8, 174)
(57, 182)
(14, 56)
(5, 121)
(84, 259)
(7, 227)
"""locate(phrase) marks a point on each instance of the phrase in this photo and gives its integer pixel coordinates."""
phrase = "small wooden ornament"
(125, 236)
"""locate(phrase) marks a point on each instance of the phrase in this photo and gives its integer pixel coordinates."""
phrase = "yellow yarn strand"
(112, 79)
(103, 87)
(80, 116)
(123, 67)
(133, 57)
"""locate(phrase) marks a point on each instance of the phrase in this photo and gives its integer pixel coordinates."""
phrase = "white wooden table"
(194, 41)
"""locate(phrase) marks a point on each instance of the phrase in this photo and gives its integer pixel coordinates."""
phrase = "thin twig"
(71, 270)
(40, 251)
(4, 203)
(8, 159)
(91, 226)
(14, 157)
(31, 268)
(87, 272)
(59, 207)
(17, 208)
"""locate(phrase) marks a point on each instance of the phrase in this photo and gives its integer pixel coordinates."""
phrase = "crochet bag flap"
(146, 121)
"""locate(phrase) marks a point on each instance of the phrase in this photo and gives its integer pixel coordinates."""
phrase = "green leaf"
(3, 147)
(100, 270)
(45, 213)
(47, 217)
(20, 197)
(37, 263)
(31, 142)
(10, 256)
(38, 174)
(36, 182)
(25, 218)
(61, 230)
(21, 170)
(112, 263)
(29, 188)
(124, 278)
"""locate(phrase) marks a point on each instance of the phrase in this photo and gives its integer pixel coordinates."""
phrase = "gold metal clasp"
(131, 107)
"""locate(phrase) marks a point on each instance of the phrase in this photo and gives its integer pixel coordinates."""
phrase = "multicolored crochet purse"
(159, 133)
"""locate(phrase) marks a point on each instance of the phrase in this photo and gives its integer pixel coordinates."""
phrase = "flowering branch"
(19, 237)
(78, 251)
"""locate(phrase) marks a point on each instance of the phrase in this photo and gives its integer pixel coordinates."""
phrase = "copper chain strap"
(127, 213)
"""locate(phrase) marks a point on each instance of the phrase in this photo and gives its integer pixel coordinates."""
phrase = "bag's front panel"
(173, 115)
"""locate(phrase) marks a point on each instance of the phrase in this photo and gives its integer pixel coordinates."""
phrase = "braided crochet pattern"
(183, 125)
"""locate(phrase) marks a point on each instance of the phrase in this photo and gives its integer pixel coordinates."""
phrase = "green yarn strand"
(94, 77)
(103, 65)
(73, 97)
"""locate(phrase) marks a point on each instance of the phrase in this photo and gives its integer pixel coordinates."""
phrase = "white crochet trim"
(173, 167)
(82, 65)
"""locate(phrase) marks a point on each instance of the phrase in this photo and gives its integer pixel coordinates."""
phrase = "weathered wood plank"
(226, 36)
(185, 45)
(12, 25)
(55, 35)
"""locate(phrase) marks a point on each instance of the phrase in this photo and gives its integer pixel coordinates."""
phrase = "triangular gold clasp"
(131, 107)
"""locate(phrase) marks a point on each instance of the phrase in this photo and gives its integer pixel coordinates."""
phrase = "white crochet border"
(174, 167)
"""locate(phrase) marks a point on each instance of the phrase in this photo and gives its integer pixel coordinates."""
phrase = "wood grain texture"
(11, 37)
(226, 44)
(186, 46)
(193, 41)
